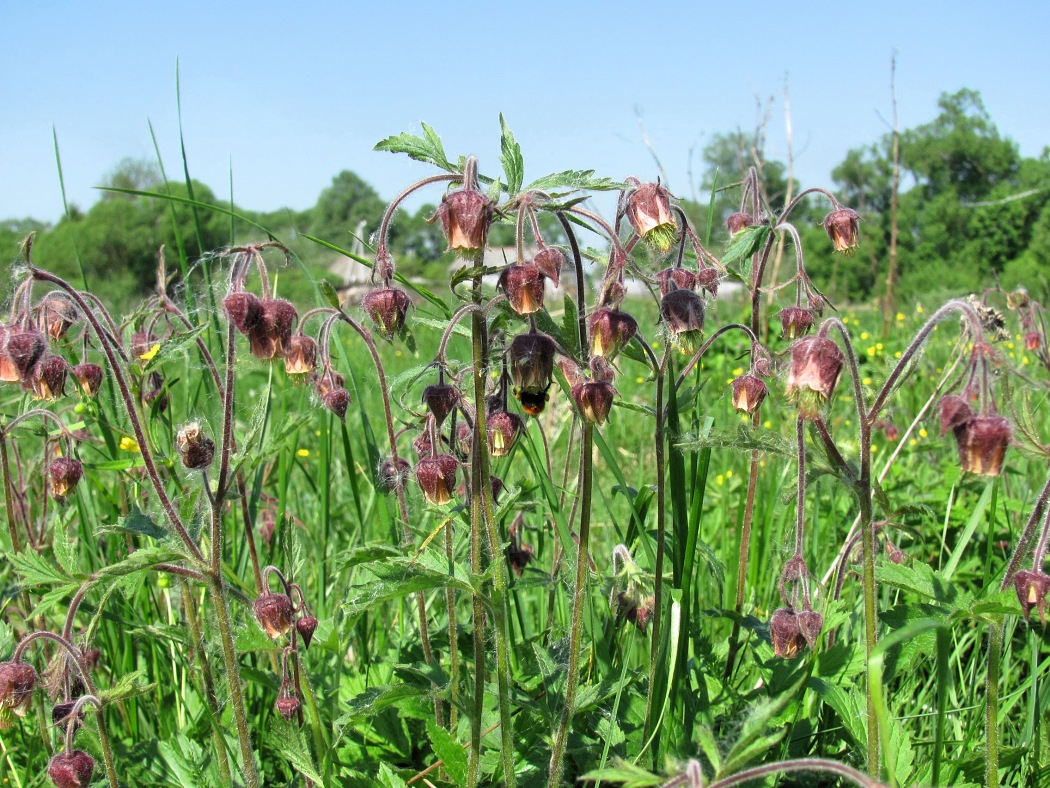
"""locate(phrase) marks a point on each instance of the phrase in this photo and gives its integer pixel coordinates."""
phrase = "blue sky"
(289, 94)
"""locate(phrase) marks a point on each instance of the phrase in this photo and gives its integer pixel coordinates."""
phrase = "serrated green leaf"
(292, 745)
(449, 751)
(396, 578)
(35, 571)
(743, 438)
(744, 244)
(136, 522)
(574, 180)
(494, 191)
(141, 559)
(761, 730)
(625, 774)
(513, 164)
(427, 148)
(570, 326)
(329, 292)
(922, 579)
(375, 699)
(129, 685)
(172, 345)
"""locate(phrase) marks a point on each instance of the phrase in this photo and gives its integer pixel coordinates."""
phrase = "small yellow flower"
(720, 480)
(128, 444)
(149, 354)
(729, 474)
(900, 316)
(865, 335)
(897, 354)
(919, 309)
(303, 453)
(913, 442)
(767, 424)
(845, 321)
(738, 371)
(871, 350)
(397, 353)
(866, 381)
(639, 379)
(1010, 345)
(923, 433)
(874, 448)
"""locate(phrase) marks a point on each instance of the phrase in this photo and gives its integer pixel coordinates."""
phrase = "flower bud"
(392, 474)
(441, 399)
(436, 477)
(274, 612)
(682, 312)
(889, 429)
(594, 400)
(523, 284)
(610, 331)
(24, 349)
(1032, 588)
(795, 321)
(748, 392)
(423, 442)
(815, 366)
(496, 487)
(894, 554)
(982, 444)
(465, 217)
(676, 278)
(519, 554)
(841, 226)
(786, 633)
(503, 430)
(464, 438)
(649, 212)
(244, 310)
(63, 474)
(388, 308)
(195, 448)
(337, 401)
(635, 607)
(89, 376)
(328, 381)
(1033, 340)
(550, 260)
(71, 769)
(810, 623)
(306, 626)
(60, 713)
(300, 356)
(739, 221)
(288, 706)
(48, 378)
(17, 681)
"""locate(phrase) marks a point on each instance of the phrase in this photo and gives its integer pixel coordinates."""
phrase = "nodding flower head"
(550, 260)
(814, 371)
(465, 216)
(436, 477)
(300, 355)
(288, 705)
(531, 368)
(23, 350)
(391, 474)
(71, 769)
(786, 633)
(503, 431)
(594, 400)
(523, 284)
(388, 308)
(196, 449)
(982, 442)
(810, 623)
(519, 553)
(47, 381)
(244, 310)
(748, 392)
(89, 376)
(682, 312)
(269, 337)
(708, 279)
(648, 210)
(334, 397)
(1032, 588)
(675, 279)
(57, 314)
(795, 322)
(739, 221)
(610, 331)
(17, 681)
(275, 613)
(955, 411)
(441, 399)
(1033, 341)
(63, 475)
(841, 225)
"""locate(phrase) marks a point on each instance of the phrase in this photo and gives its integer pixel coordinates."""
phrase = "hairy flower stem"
(557, 765)
(661, 536)
(819, 765)
(77, 658)
(9, 502)
(991, 708)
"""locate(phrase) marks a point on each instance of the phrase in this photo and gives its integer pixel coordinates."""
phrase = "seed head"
(392, 474)
(71, 769)
(436, 477)
(841, 226)
(195, 448)
(274, 612)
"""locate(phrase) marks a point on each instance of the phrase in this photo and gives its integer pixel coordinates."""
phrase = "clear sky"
(288, 94)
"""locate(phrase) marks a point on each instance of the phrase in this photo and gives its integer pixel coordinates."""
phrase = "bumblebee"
(533, 400)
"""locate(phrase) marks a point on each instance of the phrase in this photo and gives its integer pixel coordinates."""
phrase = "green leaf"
(449, 751)
(172, 345)
(570, 326)
(292, 745)
(920, 578)
(573, 180)
(626, 774)
(129, 685)
(743, 438)
(513, 164)
(375, 699)
(143, 558)
(761, 731)
(400, 577)
(137, 522)
(427, 148)
(744, 244)
(35, 571)
(329, 293)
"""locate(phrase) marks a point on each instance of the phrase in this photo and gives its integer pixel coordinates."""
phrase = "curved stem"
(389, 213)
(9, 503)
(577, 260)
(707, 346)
(1026, 537)
(800, 765)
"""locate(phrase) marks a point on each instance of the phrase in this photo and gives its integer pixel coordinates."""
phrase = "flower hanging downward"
(649, 212)
(814, 371)
(841, 225)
